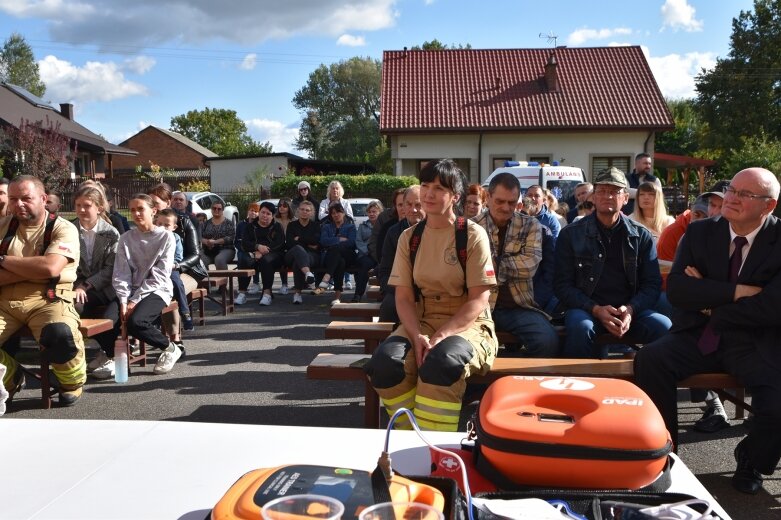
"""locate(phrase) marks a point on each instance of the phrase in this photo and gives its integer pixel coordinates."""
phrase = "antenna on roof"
(550, 37)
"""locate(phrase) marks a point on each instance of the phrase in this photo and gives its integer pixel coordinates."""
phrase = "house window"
(539, 158)
(498, 160)
(599, 163)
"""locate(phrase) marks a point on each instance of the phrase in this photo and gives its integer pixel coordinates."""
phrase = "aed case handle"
(549, 417)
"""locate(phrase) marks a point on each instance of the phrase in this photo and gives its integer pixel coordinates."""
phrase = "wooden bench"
(221, 284)
(349, 367)
(372, 333)
(89, 327)
(355, 310)
(230, 274)
(199, 295)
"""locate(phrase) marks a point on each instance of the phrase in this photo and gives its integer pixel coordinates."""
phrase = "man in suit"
(725, 285)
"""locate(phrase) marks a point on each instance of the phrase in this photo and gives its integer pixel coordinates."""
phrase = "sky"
(129, 64)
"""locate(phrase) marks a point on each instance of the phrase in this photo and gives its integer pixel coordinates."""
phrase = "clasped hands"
(616, 320)
(423, 345)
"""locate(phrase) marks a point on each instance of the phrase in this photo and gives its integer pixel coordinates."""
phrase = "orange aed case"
(571, 432)
(353, 488)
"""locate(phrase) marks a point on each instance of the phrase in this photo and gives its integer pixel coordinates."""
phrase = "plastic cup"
(294, 507)
(401, 511)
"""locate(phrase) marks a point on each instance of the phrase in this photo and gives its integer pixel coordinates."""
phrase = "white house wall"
(229, 174)
(572, 149)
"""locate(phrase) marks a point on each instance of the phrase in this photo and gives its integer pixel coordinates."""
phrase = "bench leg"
(370, 345)
(372, 410)
(202, 310)
(225, 304)
(46, 387)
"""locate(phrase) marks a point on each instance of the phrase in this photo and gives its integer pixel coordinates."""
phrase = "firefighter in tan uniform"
(448, 334)
(36, 287)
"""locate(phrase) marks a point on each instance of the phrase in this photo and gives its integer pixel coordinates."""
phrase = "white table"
(63, 469)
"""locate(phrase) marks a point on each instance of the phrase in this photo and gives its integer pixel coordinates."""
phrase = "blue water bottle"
(120, 361)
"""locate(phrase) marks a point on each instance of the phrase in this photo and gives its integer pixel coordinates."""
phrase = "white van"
(560, 180)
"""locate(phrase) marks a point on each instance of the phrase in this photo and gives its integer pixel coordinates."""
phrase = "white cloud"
(95, 81)
(140, 64)
(675, 73)
(678, 14)
(140, 23)
(351, 41)
(249, 62)
(281, 137)
(581, 36)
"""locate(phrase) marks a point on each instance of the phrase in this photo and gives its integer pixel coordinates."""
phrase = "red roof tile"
(504, 89)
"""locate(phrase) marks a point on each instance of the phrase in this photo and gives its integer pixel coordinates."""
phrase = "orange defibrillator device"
(353, 488)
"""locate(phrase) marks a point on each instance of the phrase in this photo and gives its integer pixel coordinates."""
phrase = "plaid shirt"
(516, 266)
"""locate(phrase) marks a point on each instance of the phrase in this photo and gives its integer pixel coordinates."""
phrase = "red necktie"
(709, 340)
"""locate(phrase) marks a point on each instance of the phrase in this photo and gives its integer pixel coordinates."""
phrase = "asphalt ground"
(250, 368)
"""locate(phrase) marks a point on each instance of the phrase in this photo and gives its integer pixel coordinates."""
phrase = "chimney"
(551, 76)
(66, 109)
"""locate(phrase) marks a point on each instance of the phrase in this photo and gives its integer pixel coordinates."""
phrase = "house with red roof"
(168, 149)
(93, 156)
(588, 107)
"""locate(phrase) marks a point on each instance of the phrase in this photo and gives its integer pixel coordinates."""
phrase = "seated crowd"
(486, 258)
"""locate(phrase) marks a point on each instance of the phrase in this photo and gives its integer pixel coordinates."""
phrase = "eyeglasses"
(303, 189)
(743, 194)
(604, 192)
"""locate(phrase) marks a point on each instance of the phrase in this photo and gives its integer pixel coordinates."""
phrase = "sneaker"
(330, 285)
(99, 361)
(324, 285)
(297, 299)
(266, 300)
(283, 289)
(167, 360)
(187, 322)
(180, 345)
(241, 299)
(135, 348)
(334, 302)
(713, 420)
(348, 286)
(70, 397)
(310, 278)
(105, 371)
(253, 288)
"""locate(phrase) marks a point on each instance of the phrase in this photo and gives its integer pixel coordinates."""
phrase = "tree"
(759, 150)
(18, 65)
(341, 110)
(220, 130)
(37, 149)
(688, 133)
(436, 45)
(741, 95)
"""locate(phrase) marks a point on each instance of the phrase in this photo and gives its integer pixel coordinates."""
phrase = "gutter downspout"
(645, 144)
(480, 159)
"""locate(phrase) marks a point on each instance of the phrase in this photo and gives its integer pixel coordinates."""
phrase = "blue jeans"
(531, 328)
(582, 328)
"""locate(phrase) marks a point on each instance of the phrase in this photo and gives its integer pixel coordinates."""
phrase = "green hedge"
(379, 187)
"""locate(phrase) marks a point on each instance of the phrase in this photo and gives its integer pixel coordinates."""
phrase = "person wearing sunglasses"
(217, 236)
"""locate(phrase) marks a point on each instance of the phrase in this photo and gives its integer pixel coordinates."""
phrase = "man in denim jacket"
(607, 274)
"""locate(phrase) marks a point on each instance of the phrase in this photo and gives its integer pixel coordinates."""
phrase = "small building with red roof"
(590, 107)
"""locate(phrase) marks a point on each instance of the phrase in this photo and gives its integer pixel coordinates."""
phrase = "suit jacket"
(99, 271)
(754, 320)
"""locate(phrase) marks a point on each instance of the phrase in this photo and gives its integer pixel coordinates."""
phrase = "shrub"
(195, 186)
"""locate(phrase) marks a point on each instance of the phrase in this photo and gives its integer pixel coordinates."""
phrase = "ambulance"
(560, 180)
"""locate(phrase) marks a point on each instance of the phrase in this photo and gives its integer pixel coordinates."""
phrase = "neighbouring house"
(95, 157)
(229, 173)
(588, 107)
(167, 149)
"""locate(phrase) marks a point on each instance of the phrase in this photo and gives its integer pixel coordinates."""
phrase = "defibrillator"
(356, 489)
